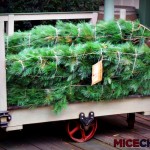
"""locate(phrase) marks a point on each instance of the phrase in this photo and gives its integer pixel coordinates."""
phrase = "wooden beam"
(4, 18)
(49, 16)
(53, 16)
(102, 108)
(3, 94)
(123, 14)
(13, 128)
(10, 25)
(94, 18)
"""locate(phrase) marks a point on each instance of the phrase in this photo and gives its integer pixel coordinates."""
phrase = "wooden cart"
(14, 119)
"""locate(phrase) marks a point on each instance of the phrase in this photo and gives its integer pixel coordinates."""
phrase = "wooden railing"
(10, 19)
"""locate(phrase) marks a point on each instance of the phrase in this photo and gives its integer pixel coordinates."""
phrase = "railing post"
(94, 18)
(3, 93)
(10, 25)
(123, 14)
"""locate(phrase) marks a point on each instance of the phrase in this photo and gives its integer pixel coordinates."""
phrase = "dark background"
(26, 6)
(30, 6)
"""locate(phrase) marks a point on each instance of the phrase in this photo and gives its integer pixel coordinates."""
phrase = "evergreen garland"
(115, 32)
(52, 65)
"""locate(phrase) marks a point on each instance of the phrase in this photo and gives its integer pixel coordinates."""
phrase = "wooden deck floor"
(52, 136)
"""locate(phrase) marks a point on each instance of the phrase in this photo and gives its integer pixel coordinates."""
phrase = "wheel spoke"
(86, 134)
(83, 134)
(74, 130)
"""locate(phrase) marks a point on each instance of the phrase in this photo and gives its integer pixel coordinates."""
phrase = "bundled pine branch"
(115, 32)
(62, 74)
(53, 65)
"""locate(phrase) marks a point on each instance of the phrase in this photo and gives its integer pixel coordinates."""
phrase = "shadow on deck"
(52, 136)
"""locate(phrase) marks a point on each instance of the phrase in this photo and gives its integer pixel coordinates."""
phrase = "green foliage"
(115, 32)
(57, 72)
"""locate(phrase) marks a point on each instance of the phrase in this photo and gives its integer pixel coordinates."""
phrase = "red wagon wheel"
(78, 133)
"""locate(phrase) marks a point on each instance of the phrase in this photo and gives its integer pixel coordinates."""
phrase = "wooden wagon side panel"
(21, 117)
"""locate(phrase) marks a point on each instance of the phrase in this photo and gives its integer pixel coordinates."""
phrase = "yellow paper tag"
(97, 72)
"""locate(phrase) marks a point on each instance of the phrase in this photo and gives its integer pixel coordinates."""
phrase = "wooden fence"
(10, 19)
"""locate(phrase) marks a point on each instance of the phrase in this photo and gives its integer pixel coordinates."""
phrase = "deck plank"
(49, 136)
(118, 122)
(44, 144)
(2, 148)
(107, 138)
(49, 142)
(114, 127)
(19, 144)
(143, 117)
(110, 136)
(52, 136)
(94, 144)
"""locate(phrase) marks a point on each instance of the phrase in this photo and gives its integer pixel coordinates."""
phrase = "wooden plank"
(3, 94)
(18, 144)
(53, 16)
(93, 144)
(111, 127)
(94, 18)
(13, 128)
(109, 137)
(48, 135)
(127, 134)
(133, 136)
(45, 114)
(105, 133)
(41, 144)
(48, 142)
(3, 18)
(15, 141)
(143, 117)
(45, 16)
(123, 14)
(119, 123)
